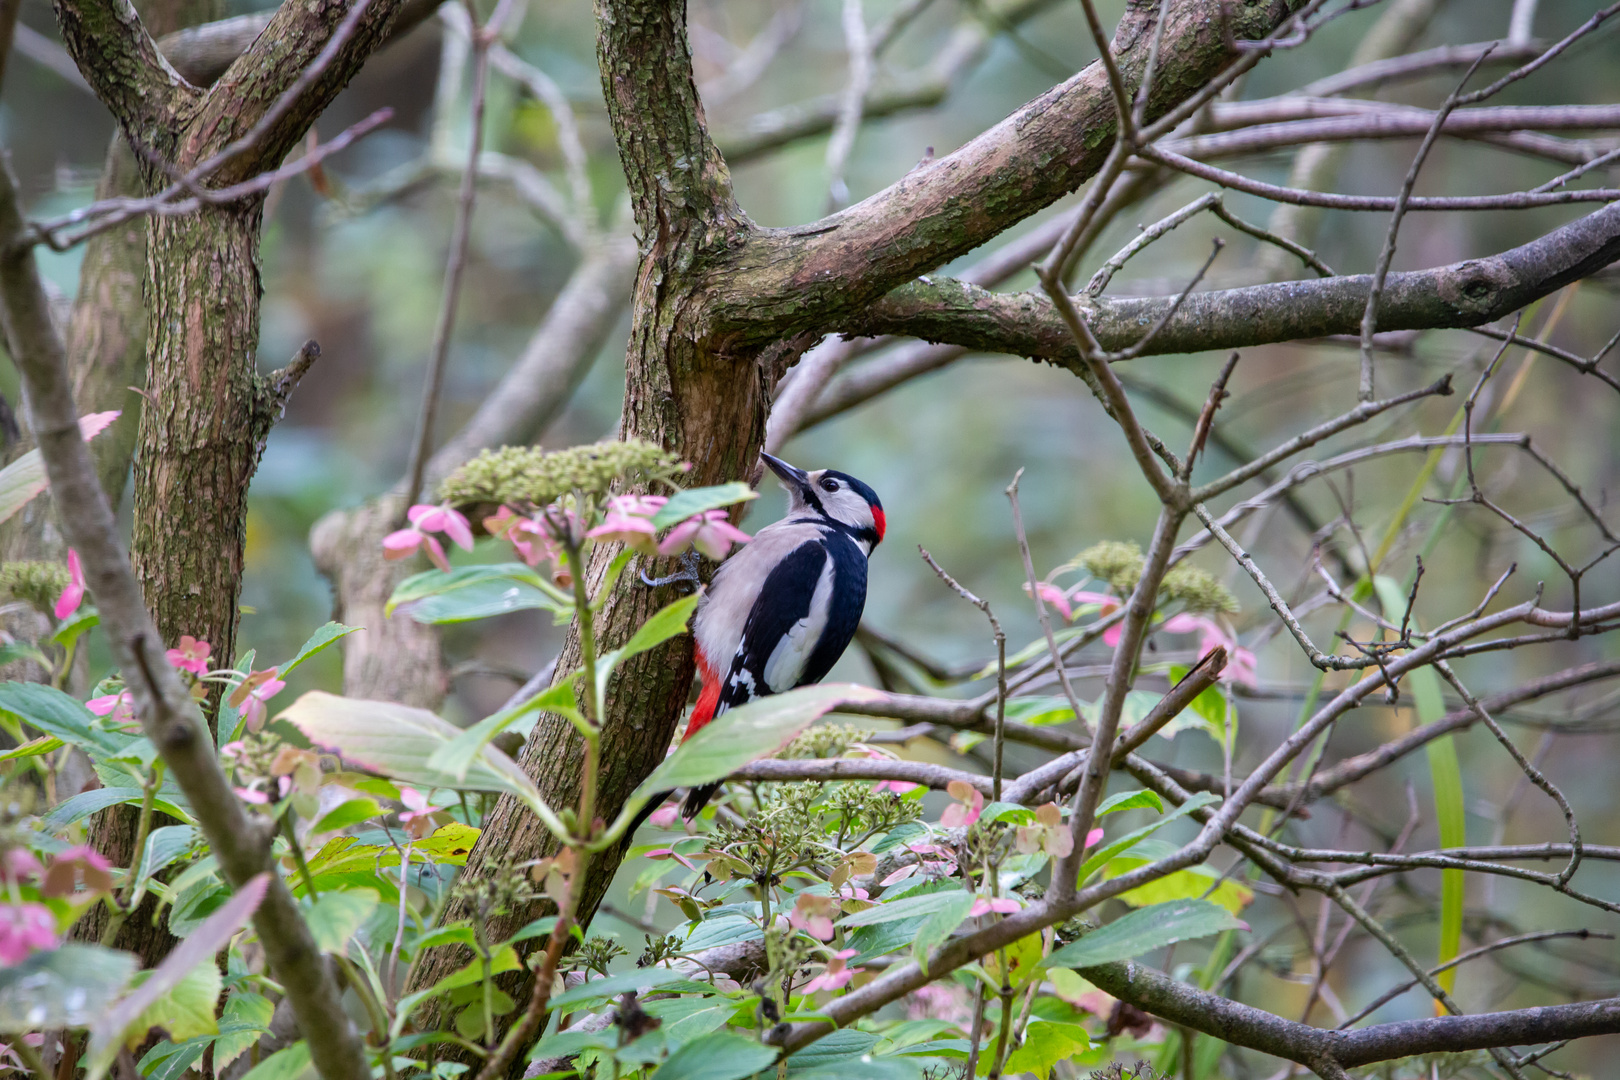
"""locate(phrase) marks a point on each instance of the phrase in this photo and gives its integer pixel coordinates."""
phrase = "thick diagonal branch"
(1462, 294)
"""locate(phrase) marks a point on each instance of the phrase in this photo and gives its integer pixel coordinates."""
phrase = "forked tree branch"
(121, 62)
(791, 279)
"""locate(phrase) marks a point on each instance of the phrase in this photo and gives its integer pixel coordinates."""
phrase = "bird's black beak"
(796, 478)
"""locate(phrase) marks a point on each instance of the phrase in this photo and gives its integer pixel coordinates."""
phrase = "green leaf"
(1144, 930)
(66, 987)
(23, 650)
(1130, 800)
(746, 733)
(566, 1044)
(840, 1049)
(718, 1055)
(164, 845)
(45, 744)
(1100, 857)
(939, 924)
(317, 643)
(1013, 812)
(611, 986)
(665, 623)
(352, 812)
(20, 482)
(908, 907)
(186, 1009)
(686, 1018)
(477, 592)
(1045, 1044)
(338, 916)
(504, 960)
(125, 1019)
(1192, 883)
(76, 626)
(55, 713)
(287, 1064)
(882, 939)
(683, 504)
(1445, 774)
(458, 755)
(865, 1067)
(398, 741)
(85, 803)
(246, 1017)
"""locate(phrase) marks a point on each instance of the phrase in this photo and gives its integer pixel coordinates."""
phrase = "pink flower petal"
(24, 929)
(93, 424)
(73, 595)
(435, 552)
(1093, 836)
(679, 537)
(457, 528)
(899, 875)
(397, 545)
(1112, 635)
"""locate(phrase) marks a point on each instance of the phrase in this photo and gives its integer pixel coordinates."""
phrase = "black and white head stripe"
(835, 498)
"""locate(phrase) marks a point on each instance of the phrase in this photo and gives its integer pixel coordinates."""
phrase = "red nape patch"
(880, 521)
(708, 699)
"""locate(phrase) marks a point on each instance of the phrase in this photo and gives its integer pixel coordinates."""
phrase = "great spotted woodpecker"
(781, 611)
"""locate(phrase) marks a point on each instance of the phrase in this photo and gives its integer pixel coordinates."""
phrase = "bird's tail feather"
(697, 799)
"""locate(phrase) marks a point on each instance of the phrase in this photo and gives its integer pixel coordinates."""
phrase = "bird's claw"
(688, 575)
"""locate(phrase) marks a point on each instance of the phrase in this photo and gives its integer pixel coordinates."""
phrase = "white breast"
(722, 614)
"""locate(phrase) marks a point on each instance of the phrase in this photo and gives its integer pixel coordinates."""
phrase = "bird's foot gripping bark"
(688, 574)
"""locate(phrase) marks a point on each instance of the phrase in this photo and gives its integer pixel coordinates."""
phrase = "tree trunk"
(199, 437)
(682, 392)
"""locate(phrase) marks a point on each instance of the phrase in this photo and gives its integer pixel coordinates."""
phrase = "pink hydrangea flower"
(836, 977)
(813, 915)
(899, 787)
(1240, 662)
(417, 817)
(637, 505)
(711, 532)
(81, 865)
(119, 708)
(967, 807)
(250, 697)
(25, 929)
(17, 863)
(1000, 905)
(73, 595)
(1068, 603)
(628, 529)
(192, 655)
(425, 521)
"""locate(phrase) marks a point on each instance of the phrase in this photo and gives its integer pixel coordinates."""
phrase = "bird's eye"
(829, 484)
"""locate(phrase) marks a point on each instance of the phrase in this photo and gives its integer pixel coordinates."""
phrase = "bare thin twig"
(455, 268)
(1369, 317)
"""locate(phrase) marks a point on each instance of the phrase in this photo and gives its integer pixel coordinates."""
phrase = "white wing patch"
(791, 655)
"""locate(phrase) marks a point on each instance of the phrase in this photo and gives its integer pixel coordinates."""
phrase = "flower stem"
(133, 891)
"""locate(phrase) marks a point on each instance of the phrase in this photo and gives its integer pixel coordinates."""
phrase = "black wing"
(844, 612)
(783, 600)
